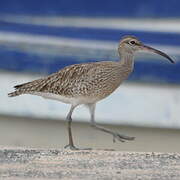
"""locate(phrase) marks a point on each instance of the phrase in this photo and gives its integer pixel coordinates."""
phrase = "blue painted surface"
(151, 71)
(147, 70)
(92, 34)
(123, 8)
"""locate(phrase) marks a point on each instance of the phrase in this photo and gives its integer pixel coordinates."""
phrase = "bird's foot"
(72, 147)
(121, 137)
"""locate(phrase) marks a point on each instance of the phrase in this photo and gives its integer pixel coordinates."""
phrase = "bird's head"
(130, 45)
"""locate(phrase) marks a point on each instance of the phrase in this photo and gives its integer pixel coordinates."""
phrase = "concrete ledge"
(96, 164)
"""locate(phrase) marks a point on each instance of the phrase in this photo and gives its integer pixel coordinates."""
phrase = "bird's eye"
(132, 42)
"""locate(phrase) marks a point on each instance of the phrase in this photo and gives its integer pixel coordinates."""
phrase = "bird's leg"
(71, 144)
(115, 135)
(69, 119)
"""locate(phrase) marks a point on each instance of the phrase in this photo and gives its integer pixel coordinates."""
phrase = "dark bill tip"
(150, 49)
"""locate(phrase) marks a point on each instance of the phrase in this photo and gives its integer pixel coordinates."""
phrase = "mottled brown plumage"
(88, 83)
(93, 80)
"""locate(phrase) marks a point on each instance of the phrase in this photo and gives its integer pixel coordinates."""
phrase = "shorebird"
(88, 83)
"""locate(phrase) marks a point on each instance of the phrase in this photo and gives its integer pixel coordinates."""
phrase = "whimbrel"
(88, 83)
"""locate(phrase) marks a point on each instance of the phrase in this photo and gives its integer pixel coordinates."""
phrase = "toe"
(72, 147)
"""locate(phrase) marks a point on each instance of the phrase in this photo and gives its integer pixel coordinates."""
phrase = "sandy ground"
(90, 165)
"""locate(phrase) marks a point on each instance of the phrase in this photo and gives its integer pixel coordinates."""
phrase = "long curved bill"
(150, 49)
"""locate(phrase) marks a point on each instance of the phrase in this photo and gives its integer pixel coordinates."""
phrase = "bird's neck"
(127, 58)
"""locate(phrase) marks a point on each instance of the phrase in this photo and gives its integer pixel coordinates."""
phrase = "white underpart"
(64, 99)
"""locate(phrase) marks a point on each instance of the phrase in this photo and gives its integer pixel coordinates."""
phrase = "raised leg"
(116, 136)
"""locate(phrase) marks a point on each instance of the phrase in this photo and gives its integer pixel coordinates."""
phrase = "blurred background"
(40, 37)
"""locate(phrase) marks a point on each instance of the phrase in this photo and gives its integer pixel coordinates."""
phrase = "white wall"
(132, 104)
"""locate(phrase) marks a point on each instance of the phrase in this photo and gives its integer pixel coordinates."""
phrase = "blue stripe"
(123, 8)
(147, 71)
(96, 34)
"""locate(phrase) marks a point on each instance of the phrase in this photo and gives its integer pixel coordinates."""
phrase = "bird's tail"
(15, 93)
(19, 89)
(28, 88)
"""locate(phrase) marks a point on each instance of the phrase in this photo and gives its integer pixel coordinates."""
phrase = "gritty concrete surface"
(90, 165)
